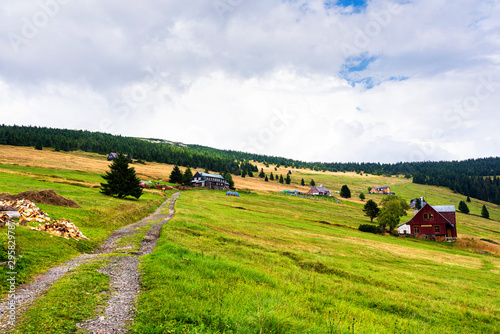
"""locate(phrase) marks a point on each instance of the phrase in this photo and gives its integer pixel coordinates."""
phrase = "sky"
(319, 80)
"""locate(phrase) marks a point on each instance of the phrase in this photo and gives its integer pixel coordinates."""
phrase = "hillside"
(265, 262)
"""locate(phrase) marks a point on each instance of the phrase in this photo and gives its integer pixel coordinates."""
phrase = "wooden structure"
(113, 155)
(319, 191)
(432, 222)
(212, 181)
(381, 190)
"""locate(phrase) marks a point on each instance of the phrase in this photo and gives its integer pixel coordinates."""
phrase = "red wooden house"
(319, 191)
(432, 222)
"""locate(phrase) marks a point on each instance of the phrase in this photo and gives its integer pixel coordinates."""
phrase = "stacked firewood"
(5, 219)
(29, 212)
(62, 228)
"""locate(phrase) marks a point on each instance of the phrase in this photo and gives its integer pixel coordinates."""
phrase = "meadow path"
(122, 270)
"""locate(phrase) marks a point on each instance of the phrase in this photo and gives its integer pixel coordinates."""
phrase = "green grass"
(97, 218)
(278, 264)
(71, 300)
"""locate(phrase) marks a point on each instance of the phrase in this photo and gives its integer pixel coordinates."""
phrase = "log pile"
(5, 219)
(62, 228)
(29, 212)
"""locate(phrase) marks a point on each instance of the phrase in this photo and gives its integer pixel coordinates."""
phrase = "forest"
(477, 178)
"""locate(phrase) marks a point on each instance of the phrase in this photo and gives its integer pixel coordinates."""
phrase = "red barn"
(319, 191)
(432, 222)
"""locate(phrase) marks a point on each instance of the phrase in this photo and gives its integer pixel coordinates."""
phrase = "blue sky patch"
(357, 5)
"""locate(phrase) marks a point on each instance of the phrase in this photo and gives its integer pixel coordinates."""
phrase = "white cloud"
(195, 73)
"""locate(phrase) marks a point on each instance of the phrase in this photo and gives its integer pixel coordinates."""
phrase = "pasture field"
(265, 263)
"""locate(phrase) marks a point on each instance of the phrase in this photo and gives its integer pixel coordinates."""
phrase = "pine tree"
(485, 213)
(281, 179)
(313, 183)
(176, 175)
(243, 173)
(188, 175)
(266, 179)
(288, 179)
(121, 179)
(345, 192)
(468, 199)
(39, 146)
(371, 209)
(462, 206)
(250, 173)
(262, 174)
(271, 177)
(418, 204)
(229, 179)
(362, 196)
(302, 183)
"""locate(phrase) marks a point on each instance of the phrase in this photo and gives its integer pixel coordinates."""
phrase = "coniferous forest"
(476, 178)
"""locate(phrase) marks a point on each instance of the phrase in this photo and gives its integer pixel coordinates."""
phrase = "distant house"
(212, 181)
(381, 190)
(413, 203)
(432, 222)
(319, 191)
(113, 155)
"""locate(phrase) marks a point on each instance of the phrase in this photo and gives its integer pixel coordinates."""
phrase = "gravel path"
(123, 272)
(125, 281)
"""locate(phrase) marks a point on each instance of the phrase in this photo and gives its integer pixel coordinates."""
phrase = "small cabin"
(212, 181)
(381, 190)
(319, 191)
(113, 155)
(432, 222)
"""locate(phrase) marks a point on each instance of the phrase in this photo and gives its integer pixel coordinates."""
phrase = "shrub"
(369, 228)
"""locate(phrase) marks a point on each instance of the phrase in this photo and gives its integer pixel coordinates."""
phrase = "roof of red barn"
(445, 211)
(320, 189)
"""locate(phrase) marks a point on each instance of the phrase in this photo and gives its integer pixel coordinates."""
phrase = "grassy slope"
(97, 218)
(268, 263)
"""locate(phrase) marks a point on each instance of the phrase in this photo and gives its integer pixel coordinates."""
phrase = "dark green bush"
(369, 228)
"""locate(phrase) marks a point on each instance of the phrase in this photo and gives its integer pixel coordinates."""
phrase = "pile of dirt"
(44, 196)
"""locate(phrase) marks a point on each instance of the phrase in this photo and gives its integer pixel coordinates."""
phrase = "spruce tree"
(229, 179)
(262, 174)
(313, 183)
(121, 179)
(271, 177)
(288, 179)
(243, 173)
(302, 183)
(362, 196)
(266, 179)
(371, 209)
(281, 179)
(176, 175)
(468, 199)
(345, 192)
(250, 173)
(418, 204)
(462, 206)
(188, 175)
(485, 213)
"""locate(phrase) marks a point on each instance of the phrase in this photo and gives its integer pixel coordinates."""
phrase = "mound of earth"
(44, 196)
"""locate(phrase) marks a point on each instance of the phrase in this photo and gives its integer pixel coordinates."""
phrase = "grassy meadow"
(261, 263)
(265, 263)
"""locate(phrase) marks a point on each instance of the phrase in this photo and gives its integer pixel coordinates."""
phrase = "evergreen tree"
(250, 173)
(176, 175)
(229, 179)
(271, 177)
(206, 170)
(188, 175)
(345, 192)
(281, 179)
(266, 179)
(288, 179)
(121, 179)
(462, 207)
(371, 209)
(485, 213)
(362, 196)
(39, 145)
(418, 204)
(262, 174)
(302, 183)
(468, 199)
(313, 183)
(243, 173)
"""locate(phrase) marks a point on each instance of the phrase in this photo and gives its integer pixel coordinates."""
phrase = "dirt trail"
(123, 271)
